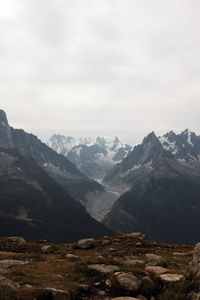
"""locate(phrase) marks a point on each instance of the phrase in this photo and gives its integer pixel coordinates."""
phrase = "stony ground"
(117, 267)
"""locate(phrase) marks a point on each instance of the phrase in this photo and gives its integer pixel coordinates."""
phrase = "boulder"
(138, 244)
(106, 243)
(72, 257)
(171, 277)
(194, 296)
(128, 282)
(136, 235)
(180, 253)
(7, 286)
(86, 244)
(141, 297)
(156, 270)
(9, 263)
(195, 266)
(135, 262)
(99, 257)
(108, 282)
(104, 268)
(17, 240)
(155, 260)
(59, 294)
(47, 249)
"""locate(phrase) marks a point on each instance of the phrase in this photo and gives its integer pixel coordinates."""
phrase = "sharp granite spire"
(5, 132)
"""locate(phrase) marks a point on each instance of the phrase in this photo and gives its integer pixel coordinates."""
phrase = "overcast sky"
(100, 67)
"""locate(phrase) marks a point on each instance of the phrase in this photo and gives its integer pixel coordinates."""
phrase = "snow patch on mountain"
(189, 137)
(167, 145)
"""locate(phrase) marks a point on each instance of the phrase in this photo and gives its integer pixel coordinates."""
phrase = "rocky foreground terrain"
(125, 266)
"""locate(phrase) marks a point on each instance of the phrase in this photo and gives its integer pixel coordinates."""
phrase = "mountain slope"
(33, 205)
(57, 166)
(164, 189)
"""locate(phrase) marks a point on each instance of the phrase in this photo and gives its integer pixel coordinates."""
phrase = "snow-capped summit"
(94, 157)
(63, 144)
(183, 146)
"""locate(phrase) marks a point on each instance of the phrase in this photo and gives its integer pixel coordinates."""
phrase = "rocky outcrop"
(195, 266)
(86, 244)
(102, 268)
(156, 270)
(128, 282)
(155, 260)
(171, 277)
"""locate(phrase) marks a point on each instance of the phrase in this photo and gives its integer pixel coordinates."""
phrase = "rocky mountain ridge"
(57, 166)
(163, 175)
(37, 189)
(94, 157)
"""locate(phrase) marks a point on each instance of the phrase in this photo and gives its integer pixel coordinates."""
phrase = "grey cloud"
(102, 67)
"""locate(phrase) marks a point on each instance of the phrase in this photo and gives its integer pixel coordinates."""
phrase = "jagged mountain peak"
(5, 132)
(94, 157)
(3, 118)
(150, 138)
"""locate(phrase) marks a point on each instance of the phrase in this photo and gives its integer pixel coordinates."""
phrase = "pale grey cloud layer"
(100, 67)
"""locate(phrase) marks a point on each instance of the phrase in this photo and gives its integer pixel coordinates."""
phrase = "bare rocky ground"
(121, 267)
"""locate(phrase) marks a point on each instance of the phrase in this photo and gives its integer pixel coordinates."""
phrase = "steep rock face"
(184, 148)
(93, 157)
(34, 206)
(57, 166)
(164, 196)
(5, 134)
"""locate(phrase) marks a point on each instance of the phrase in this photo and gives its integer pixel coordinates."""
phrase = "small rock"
(27, 286)
(72, 257)
(112, 249)
(194, 296)
(128, 282)
(135, 262)
(86, 244)
(8, 286)
(141, 297)
(108, 282)
(17, 240)
(104, 268)
(106, 243)
(139, 244)
(59, 294)
(155, 260)
(9, 263)
(83, 287)
(101, 293)
(41, 241)
(100, 257)
(179, 254)
(156, 270)
(136, 235)
(46, 249)
(58, 276)
(171, 277)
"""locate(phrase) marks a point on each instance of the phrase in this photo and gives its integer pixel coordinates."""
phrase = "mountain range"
(152, 188)
(94, 157)
(39, 190)
(163, 200)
